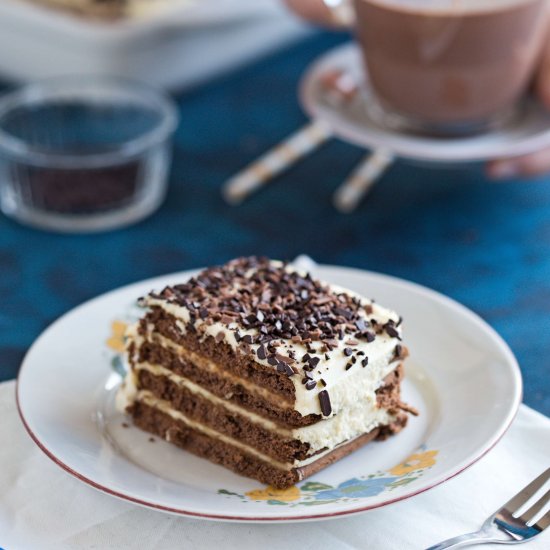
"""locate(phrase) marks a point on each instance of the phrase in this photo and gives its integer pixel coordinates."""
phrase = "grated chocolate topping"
(255, 293)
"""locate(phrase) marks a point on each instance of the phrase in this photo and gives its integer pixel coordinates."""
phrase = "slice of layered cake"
(264, 370)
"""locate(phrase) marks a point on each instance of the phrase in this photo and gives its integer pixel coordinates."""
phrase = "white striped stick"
(348, 196)
(275, 161)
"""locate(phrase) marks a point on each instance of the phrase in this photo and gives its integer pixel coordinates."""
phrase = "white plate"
(525, 133)
(461, 376)
(169, 13)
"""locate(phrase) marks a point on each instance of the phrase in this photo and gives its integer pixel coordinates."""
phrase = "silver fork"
(503, 527)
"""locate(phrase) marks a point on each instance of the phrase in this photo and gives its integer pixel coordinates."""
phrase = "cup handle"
(342, 12)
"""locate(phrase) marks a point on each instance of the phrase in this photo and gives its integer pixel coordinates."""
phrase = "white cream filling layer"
(127, 392)
(347, 425)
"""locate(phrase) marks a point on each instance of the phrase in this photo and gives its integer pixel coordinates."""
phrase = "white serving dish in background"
(176, 46)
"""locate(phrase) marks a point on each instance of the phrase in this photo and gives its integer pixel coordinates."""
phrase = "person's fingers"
(536, 163)
(529, 165)
(314, 11)
(542, 81)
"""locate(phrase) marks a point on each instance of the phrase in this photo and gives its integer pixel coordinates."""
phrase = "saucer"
(525, 133)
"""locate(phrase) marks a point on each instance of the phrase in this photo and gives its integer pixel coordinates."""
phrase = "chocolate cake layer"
(220, 353)
(388, 396)
(394, 427)
(177, 432)
(221, 386)
(223, 420)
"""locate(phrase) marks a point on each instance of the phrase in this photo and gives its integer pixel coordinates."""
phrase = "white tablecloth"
(42, 507)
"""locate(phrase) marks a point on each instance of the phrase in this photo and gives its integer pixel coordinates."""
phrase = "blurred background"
(233, 67)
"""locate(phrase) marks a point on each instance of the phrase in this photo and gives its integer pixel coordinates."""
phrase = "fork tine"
(528, 515)
(527, 492)
(543, 522)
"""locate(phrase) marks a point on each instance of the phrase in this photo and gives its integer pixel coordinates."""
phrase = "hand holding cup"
(460, 68)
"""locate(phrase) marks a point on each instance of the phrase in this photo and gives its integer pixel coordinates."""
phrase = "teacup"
(448, 66)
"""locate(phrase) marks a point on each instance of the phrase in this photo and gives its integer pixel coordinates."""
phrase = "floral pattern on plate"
(115, 346)
(312, 493)
(114, 343)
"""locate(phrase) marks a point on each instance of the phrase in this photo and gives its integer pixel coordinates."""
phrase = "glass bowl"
(84, 154)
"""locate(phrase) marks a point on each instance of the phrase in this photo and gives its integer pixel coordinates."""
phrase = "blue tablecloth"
(486, 245)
